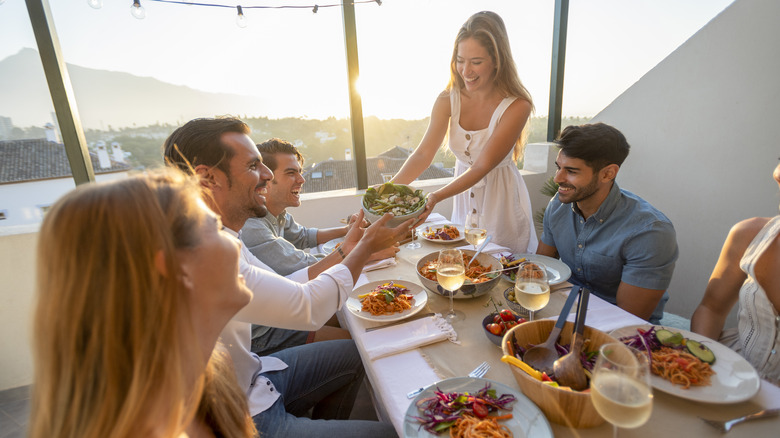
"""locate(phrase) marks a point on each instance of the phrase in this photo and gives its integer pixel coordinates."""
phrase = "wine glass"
(532, 290)
(475, 229)
(620, 386)
(451, 273)
(414, 244)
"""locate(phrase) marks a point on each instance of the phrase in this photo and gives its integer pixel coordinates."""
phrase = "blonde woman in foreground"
(136, 280)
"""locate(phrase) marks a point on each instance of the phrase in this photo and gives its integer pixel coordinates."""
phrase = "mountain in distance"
(109, 98)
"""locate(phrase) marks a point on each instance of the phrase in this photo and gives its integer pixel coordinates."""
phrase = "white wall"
(701, 127)
(22, 202)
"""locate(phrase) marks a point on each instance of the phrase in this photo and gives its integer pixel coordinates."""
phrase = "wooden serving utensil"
(543, 356)
(568, 369)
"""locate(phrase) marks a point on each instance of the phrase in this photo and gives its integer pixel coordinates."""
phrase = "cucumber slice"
(701, 351)
(669, 338)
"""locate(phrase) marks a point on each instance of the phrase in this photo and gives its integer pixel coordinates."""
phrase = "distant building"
(340, 174)
(35, 173)
(5, 127)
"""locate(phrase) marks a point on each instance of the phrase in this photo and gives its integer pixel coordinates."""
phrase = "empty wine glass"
(475, 229)
(532, 289)
(414, 244)
(451, 273)
(620, 386)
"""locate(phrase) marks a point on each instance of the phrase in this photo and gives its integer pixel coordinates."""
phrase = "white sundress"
(501, 196)
(758, 323)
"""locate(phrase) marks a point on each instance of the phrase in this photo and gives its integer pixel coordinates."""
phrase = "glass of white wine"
(532, 289)
(475, 229)
(620, 386)
(451, 273)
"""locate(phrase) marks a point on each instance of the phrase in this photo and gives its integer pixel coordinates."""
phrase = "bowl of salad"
(402, 201)
(561, 405)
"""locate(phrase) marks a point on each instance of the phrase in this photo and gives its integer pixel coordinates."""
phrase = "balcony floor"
(14, 411)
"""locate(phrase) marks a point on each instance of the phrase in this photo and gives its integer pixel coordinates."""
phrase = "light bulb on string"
(137, 10)
(315, 9)
(378, 2)
(95, 4)
(240, 18)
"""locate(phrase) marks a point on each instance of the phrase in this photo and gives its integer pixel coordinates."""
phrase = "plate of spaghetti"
(387, 300)
(730, 378)
(449, 408)
(442, 233)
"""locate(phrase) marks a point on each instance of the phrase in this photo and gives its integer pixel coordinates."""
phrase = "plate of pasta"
(515, 414)
(387, 300)
(442, 233)
(732, 380)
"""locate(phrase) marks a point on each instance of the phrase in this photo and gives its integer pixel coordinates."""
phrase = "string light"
(240, 19)
(95, 4)
(137, 10)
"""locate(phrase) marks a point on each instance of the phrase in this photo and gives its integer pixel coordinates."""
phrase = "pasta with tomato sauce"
(386, 299)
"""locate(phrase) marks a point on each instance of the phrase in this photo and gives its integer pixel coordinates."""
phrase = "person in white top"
(485, 109)
(746, 273)
(319, 379)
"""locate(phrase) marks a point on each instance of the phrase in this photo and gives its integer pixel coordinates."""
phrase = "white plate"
(330, 246)
(557, 271)
(421, 230)
(417, 291)
(735, 380)
(527, 420)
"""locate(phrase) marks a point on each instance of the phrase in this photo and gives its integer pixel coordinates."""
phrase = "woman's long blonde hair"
(110, 325)
(488, 29)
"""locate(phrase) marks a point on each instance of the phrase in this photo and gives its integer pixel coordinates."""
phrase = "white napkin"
(491, 248)
(408, 336)
(435, 218)
(380, 264)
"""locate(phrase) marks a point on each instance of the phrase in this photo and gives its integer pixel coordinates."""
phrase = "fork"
(725, 426)
(478, 372)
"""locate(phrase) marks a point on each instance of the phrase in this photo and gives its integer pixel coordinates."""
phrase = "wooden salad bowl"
(569, 408)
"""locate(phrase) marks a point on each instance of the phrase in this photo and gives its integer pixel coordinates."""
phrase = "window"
(316, 175)
(328, 173)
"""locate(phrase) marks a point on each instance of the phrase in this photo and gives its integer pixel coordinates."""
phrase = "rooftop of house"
(39, 159)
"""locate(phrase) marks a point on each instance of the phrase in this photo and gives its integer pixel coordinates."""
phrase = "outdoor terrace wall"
(701, 128)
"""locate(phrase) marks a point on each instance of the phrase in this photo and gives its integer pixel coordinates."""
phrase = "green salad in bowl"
(402, 201)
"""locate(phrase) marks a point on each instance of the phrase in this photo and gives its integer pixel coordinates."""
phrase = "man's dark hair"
(274, 146)
(598, 144)
(199, 141)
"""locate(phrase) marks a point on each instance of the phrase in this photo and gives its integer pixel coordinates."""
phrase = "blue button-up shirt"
(626, 240)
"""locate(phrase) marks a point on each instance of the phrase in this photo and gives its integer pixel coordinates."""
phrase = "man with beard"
(280, 242)
(616, 243)
(307, 390)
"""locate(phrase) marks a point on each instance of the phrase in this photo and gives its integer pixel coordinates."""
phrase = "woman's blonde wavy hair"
(488, 29)
(112, 335)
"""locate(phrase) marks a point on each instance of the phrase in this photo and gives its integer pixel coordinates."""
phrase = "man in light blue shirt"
(617, 245)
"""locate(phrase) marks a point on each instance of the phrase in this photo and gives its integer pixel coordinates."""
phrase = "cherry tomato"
(507, 315)
(480, 410)
(497, 318)
(521, 320)
(496, 329)
(510, 324)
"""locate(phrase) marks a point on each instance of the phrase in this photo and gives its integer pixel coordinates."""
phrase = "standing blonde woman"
(135, 282)
(485, 107)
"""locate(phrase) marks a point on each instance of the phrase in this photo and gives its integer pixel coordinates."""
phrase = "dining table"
(393, 376)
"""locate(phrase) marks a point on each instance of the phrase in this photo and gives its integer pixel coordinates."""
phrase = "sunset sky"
(293, 60)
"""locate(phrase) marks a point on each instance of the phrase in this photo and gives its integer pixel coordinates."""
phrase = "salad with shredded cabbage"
(441, 411)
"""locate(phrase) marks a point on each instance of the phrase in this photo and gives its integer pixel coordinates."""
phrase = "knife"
(403, 321)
